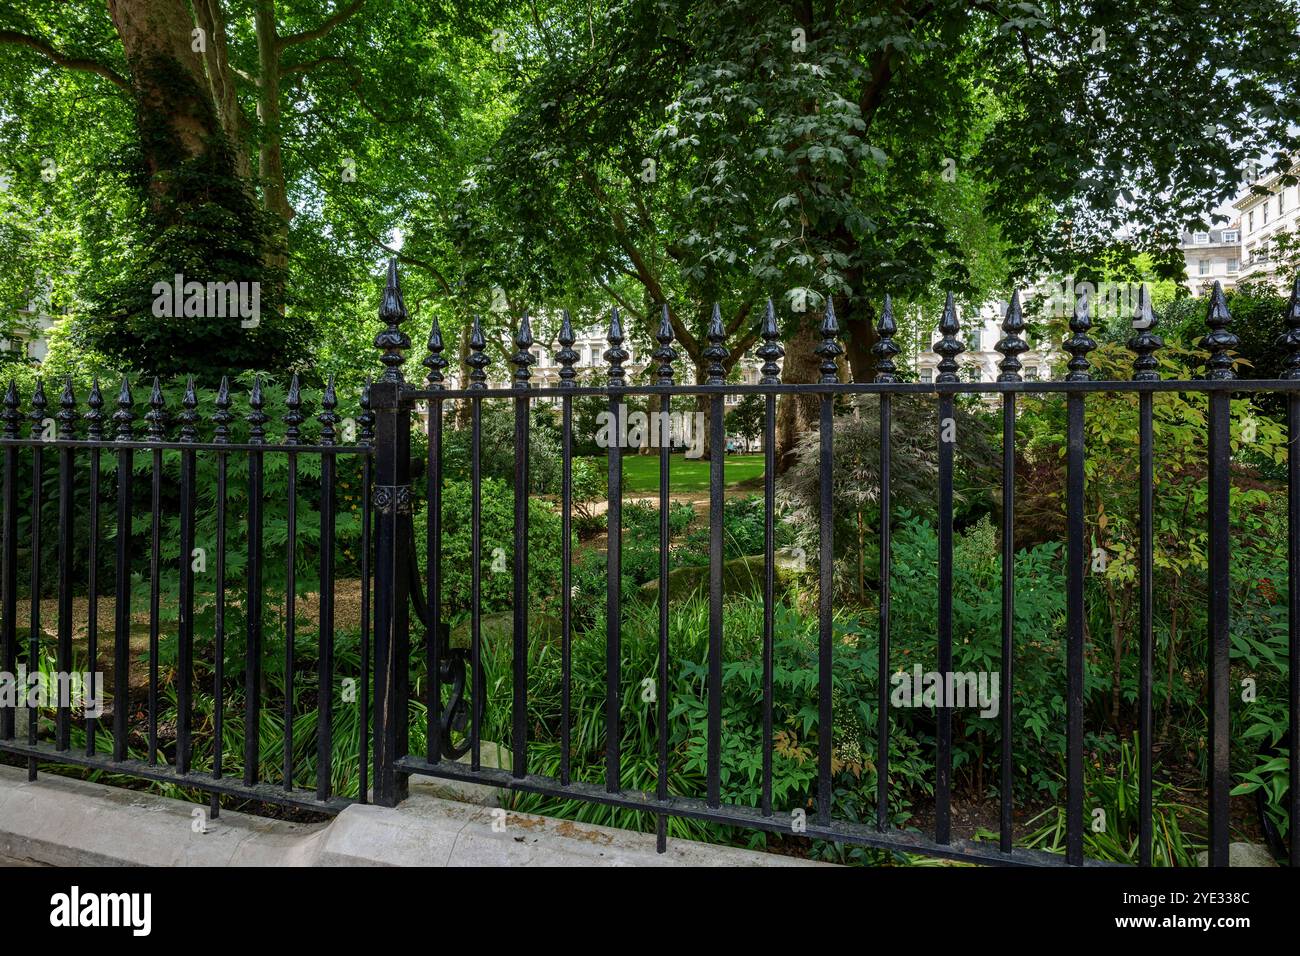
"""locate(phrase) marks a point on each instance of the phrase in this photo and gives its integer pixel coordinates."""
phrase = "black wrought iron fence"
(455, 720)
(83, 495)
(394, 400)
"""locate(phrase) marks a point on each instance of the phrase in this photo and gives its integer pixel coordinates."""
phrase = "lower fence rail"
(727, 814)
(272, 793)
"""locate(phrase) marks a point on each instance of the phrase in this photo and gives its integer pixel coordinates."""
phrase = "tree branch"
(410, 260)
(354, 80)
(63, 60)
(623, 303)
(324, 29)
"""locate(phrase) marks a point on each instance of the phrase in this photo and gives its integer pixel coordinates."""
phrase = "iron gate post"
(392, 501)
(392, 508)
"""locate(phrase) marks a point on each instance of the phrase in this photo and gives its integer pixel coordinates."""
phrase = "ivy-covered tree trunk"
(175, 114)
(201, 228)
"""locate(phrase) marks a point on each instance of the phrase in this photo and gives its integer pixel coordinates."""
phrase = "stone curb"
(66, 822)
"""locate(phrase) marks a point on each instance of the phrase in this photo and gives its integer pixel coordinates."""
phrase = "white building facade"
(1212, 256)
(980, 332)
(1263, 218)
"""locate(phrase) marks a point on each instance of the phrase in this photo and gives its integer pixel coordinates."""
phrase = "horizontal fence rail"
(394, 764)
(98, 473)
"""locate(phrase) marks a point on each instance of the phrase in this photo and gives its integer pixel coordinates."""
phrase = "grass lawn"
(641, 472)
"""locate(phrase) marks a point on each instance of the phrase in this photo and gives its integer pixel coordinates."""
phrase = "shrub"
(497, 543)
(498, 455)
(1039, 690)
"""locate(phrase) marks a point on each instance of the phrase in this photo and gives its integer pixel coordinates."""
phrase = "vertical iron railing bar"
(1145, 368)
(432, 591)
(949, 347)
(294, 420)
(716, 354)
(122, 418)
(221, 418)
(257, 420)
(1293, 622)
(522, 359)
(478, 361)
(770, 352)
(95, 432)
(665, 355)
(156, 419)
(1291, 341)
(566, 356)
(67, 416)
(9, 576)
(1008, 615)
(943, 715)
(1078, 345)
(366, 438)
(717, 504)
(829, 350)
(1010, 346)
(615, 355)
(328, 418)
(1146, 637)
(393, 539)
(885, 350)
(185, 626)
(1219, 343)
(476, 577)
(434, 729)
(37, 418)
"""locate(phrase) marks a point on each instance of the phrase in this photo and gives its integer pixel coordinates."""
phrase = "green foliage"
(1258, 321)
(794, 713)
(1112, 834)
(498, 449)
(747, 418)
(743, 522)
(856, 475)
(1038, 702)
(497, 549)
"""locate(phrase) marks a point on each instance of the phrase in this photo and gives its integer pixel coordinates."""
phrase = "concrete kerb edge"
(64, 821)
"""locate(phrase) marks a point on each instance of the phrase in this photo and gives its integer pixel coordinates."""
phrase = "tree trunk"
(462, 361)
(858, 322)
(221, 81)
(702, 408)
(270, 166)
(796, 414)
(176, 116)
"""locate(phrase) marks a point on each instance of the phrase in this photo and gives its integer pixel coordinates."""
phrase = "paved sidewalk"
(67, 822)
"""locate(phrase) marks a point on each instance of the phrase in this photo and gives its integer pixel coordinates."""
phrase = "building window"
(1231, 235)
(1250, 223)
(1031, 373)
(1233, 265)
(1281, 201)
(927, 376)
(1201, 238)
(973, 340)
